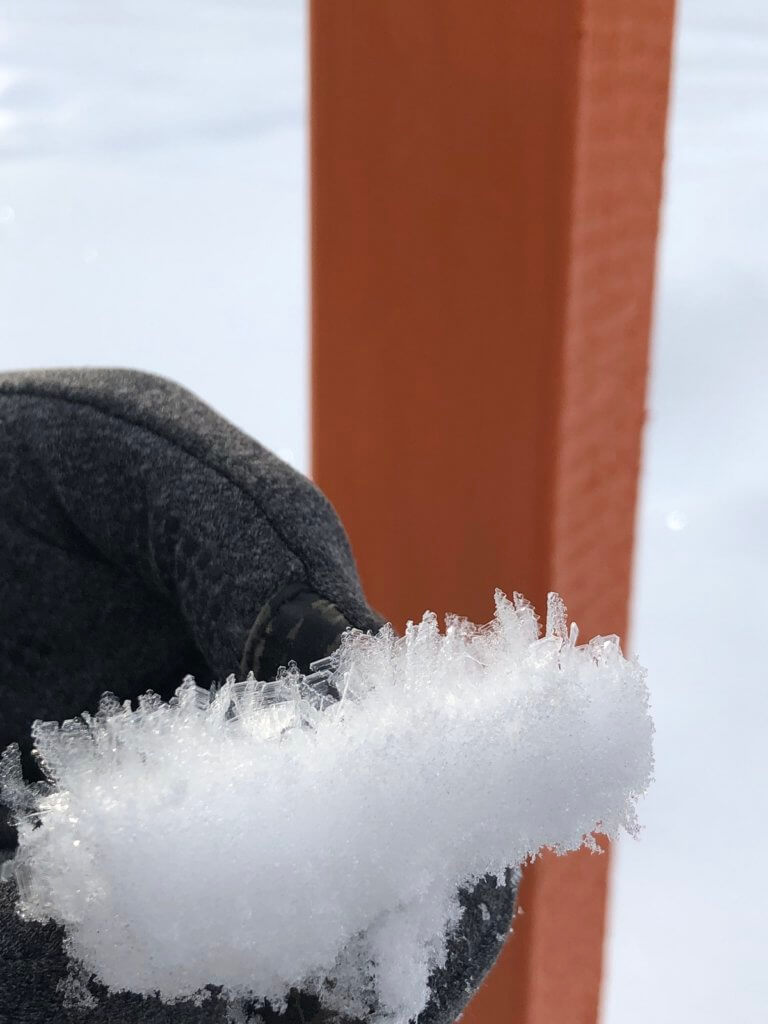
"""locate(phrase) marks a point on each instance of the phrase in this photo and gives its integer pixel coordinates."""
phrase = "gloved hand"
(142, 538)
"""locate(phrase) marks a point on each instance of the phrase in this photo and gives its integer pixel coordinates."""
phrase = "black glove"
(142, 538)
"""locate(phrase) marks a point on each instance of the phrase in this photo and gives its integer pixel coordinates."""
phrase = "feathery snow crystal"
(265, 836)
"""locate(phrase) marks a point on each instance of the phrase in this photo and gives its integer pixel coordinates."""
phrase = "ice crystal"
(269, 835)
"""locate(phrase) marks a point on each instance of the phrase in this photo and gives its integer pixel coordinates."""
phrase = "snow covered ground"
(152, 213)
(690, 903)
(152, 197)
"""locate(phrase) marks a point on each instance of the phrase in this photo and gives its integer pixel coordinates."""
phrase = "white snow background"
(152, 198)
(153, 213)
(689, 919)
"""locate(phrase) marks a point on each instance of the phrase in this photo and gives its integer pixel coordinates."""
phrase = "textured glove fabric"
(143, 538)
(141, 535)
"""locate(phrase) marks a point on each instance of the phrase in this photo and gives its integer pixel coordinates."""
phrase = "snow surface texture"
(263, 836)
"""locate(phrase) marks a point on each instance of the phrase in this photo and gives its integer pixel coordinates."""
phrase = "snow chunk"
(265, 836)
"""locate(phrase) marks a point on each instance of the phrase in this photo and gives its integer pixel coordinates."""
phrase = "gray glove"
(142, 538)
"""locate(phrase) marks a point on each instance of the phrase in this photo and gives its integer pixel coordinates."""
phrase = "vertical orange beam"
(485, 191)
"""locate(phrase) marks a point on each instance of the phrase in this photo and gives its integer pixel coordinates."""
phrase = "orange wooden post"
(485, 192)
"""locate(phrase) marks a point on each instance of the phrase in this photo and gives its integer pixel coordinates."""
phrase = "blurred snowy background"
(153, 214)
(152, 197)
(689, 923)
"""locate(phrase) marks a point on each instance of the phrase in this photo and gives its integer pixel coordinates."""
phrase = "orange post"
(485, 191)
